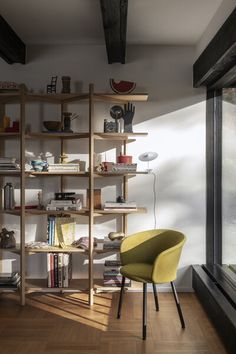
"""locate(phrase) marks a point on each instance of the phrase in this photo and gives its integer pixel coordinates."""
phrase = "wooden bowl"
(52, 126)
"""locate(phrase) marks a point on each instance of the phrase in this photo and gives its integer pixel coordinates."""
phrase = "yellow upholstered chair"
(151, 257)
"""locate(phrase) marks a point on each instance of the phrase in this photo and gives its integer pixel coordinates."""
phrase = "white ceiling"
(174, 22)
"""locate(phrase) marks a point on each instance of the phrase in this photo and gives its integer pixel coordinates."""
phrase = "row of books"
(61, 231)
(59, 269)
(112, 276)
(10, 281)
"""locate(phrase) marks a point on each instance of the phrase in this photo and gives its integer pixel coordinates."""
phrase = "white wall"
(174, 117)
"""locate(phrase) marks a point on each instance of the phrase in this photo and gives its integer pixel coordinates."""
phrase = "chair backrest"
(161, 248)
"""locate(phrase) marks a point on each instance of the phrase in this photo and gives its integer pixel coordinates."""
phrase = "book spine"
(53, 232)
(52, 270)
(66, 270)
(60, 270)
(56, 270)
(49, 270)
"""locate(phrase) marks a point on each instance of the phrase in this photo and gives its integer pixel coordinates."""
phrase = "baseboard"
(218, 308)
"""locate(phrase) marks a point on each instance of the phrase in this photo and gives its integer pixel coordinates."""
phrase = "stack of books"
(8, 164)
(63, 167)
(61, 231)
(111, 245)
(123, 167)
(59, 269)
(9, 281)
(64, 205)
(112, 276)
(126, 206)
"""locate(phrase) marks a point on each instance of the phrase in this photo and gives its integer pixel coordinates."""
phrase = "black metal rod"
(155, 296)
(144, 310)
(121, 296)
(178, 305)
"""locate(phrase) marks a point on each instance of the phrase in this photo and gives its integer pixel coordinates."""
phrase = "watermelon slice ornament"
(122, 87)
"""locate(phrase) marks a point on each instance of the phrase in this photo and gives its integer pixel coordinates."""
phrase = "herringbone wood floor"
(63, 324)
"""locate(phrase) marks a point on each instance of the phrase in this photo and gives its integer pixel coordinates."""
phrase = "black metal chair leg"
(155, 296)
(121, 296)
(178, 305)
(144, 310)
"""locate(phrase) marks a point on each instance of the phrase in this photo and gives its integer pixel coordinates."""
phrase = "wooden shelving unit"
(22, 97)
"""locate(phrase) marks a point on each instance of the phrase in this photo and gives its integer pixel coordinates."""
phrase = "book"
(9, 280)
(59, 269)
(112, 263)
(61, 231)
(120, 206)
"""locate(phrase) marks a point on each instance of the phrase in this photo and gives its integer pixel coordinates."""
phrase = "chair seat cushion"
(141, 272)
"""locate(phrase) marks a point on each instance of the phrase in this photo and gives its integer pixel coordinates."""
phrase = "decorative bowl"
(39, 165)
(52, 126)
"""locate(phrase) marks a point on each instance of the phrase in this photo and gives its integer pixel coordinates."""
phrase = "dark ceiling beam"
(219, 56)
(12, 49)
(114, 15)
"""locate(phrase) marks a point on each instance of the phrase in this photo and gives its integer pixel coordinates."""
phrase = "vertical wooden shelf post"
(91, 189)
(2, 148)
(62, 147)
(22, 194)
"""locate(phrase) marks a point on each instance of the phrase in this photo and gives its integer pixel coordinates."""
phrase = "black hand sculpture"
(128, 116)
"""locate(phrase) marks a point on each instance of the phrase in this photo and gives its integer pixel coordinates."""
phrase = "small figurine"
(7, 239)
(128, 116)
(116, 112)
(67, 119)
(52, 88)
(65, 84)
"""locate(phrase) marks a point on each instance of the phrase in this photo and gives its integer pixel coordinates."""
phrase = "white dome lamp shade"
(147, 157)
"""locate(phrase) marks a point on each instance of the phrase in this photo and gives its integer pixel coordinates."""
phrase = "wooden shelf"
(119, 174)
(108, 212)
(82, 212)
(40, 285)
(4, 135)
(57, 97)
(54, 249)
(72, 97)
(117, 136)
(76, 174)
(77, 285)
(112, 97)
(56, 135)
(117, 139)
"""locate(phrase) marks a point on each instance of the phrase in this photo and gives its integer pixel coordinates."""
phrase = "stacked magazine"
(112, 276)
(8, 164)
(9, 281)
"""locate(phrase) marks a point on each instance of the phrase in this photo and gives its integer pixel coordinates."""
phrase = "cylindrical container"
(124, 159)
(9, 200)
